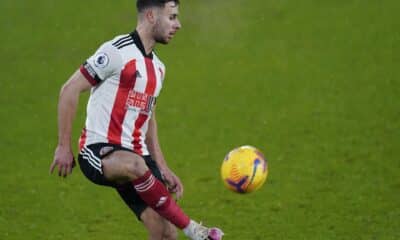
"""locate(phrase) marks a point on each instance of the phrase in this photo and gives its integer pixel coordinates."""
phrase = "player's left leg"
(170, 231)
(158, 227)
(161, 229)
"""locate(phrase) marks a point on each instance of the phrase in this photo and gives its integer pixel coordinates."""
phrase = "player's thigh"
(158, 227)
(121, 166)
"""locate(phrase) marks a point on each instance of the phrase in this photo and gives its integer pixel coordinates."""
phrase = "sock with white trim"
(155, 194)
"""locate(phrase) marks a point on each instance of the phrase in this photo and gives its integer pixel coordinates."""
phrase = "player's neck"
(146, 38)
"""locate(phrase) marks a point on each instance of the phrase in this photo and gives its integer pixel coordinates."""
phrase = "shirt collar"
(139, 44)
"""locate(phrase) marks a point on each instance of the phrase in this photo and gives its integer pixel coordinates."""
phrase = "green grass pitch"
(314, 84)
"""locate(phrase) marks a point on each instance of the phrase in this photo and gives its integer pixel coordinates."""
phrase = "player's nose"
(178, 25)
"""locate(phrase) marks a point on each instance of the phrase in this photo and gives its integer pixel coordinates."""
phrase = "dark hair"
(143, 4)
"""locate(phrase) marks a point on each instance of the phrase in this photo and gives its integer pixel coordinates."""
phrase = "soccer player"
(120, 141)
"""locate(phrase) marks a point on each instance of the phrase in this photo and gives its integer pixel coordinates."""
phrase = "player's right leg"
(125, 166)
(120, 166)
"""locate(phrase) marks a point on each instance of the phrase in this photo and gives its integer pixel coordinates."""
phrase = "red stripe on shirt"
(126, 83)
(82, 139)
(137, 147)
(150, 89)
(151, 77)
(86, 74)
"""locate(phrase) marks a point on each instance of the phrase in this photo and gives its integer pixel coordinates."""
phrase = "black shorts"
(90, 158)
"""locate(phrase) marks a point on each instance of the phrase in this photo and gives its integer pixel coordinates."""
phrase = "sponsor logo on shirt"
(142, 101)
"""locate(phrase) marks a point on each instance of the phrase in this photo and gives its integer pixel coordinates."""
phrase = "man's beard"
(160, 39)
(157, 34)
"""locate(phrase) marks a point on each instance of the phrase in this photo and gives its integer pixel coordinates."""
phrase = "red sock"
(156, 195)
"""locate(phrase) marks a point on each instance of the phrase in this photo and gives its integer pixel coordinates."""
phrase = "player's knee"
(135, 168)
(123, 165)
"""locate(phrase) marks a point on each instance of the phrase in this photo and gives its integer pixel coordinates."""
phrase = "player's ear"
(151, 15)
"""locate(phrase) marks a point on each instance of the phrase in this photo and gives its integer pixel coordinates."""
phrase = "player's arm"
(67, 105)
(173, 182)
(97, 68)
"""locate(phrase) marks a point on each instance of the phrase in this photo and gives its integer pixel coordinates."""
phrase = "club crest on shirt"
(101, 60)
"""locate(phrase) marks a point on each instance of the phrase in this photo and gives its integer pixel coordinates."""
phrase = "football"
(244, 169)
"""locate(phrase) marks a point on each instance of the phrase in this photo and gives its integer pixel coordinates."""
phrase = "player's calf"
(158, 227)
(155, 194)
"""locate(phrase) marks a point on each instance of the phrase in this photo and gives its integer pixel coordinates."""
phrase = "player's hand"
(173, 182)
(64, 159)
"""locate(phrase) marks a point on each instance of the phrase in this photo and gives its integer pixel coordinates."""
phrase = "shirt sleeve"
(104, 63)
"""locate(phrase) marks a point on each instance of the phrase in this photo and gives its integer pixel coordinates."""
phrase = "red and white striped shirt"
(126, 83)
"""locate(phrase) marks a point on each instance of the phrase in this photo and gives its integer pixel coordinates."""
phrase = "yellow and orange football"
(244, 169)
